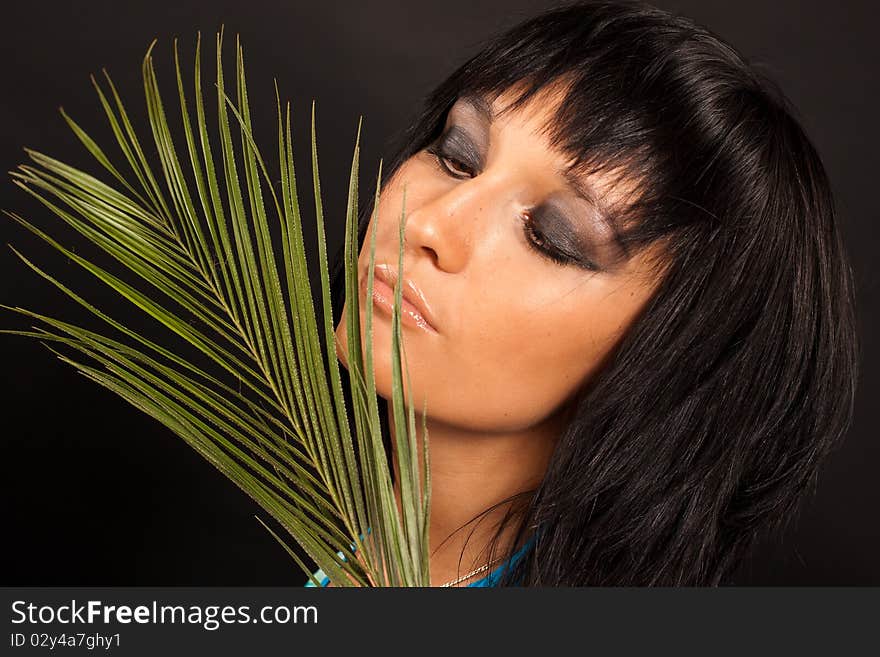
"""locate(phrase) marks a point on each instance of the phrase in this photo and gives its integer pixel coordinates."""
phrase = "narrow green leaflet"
(195, 238)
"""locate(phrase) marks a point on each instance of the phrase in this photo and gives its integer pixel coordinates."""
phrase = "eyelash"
(535, 239)
(440, 158)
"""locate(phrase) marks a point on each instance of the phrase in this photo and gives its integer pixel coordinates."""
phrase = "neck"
(471, 472)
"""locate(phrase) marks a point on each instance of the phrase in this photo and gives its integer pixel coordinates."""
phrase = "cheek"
(566, 345)
(528, 358)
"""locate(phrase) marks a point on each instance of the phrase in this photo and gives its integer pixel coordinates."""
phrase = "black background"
(96, 493)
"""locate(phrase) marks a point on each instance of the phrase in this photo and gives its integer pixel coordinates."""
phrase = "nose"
(445, 225)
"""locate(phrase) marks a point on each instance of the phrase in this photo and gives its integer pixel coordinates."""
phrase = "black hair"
(707, 425)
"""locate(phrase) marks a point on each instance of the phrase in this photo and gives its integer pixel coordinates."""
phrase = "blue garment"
(491, 579)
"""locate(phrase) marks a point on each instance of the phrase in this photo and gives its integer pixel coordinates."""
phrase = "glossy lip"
(414, 310)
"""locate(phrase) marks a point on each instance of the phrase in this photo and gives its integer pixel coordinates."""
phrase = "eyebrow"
(581, 189)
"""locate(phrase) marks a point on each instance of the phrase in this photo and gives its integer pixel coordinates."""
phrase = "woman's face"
(515, 333)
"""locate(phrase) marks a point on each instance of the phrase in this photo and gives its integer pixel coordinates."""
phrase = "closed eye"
(539, 242)
(450, 164)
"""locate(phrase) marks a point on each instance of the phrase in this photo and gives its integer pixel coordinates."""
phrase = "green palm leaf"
(198, 233)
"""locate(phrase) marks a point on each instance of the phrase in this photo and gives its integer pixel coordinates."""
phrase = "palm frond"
(196, 235)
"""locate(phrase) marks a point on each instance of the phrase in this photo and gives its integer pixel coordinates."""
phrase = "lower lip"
(383, 300)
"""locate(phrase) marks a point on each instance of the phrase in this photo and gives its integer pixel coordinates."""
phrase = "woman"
(632, 316)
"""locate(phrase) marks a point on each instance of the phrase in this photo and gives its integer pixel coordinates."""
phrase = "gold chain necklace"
(472, 573)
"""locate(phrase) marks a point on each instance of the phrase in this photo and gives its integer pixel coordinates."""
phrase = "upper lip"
(410, 292)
